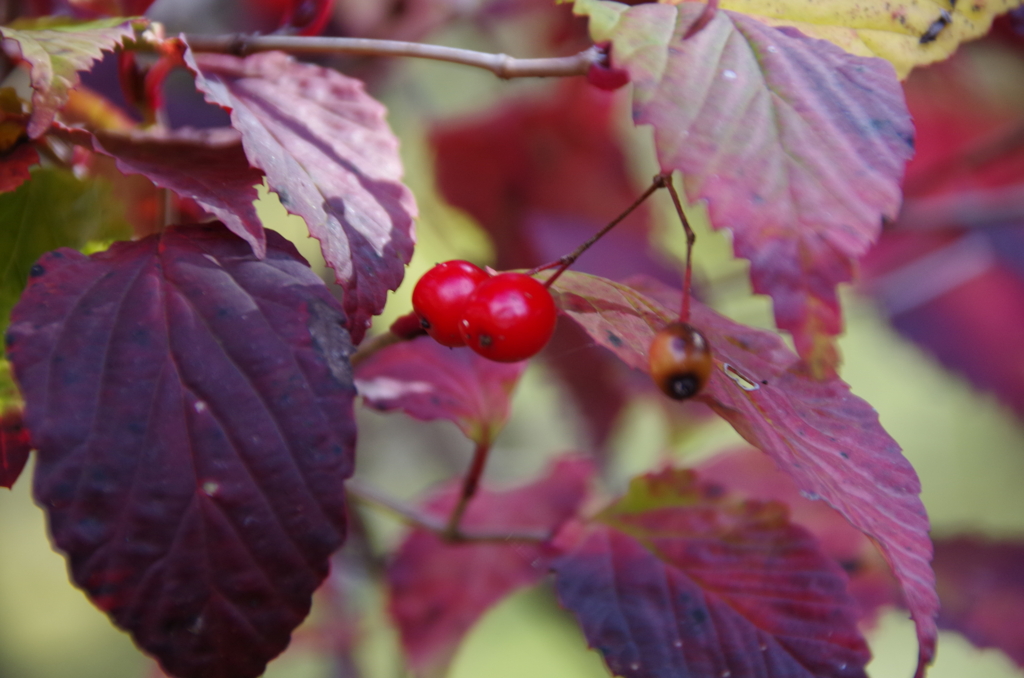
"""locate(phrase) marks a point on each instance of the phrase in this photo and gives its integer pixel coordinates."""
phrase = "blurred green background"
(967, 448)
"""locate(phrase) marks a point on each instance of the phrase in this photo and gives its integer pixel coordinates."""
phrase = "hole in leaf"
(741, 381)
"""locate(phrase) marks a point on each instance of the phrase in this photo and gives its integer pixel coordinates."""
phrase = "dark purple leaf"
(981, 584)
(429, 381)
(749, 473)
(192, 409)
(14, 446)
(55, 55)
(676, 579)
(825, 438)
(331, 158)
(439, 590)
(797, 146)
(208, 166)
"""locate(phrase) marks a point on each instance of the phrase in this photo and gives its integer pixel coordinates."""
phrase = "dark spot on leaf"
(844, 455)
(223, 312)
(698, 615)
(283, 196)
(714, 491)
(331, 339)
(764, 381)
(485, 340)
(851, 565)
(614, 339)
(36, 271)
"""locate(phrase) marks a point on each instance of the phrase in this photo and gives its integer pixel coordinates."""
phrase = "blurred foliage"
(967, 448)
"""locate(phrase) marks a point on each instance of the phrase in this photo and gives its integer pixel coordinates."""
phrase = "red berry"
(509, 317)
(440, 296)
(680, 360)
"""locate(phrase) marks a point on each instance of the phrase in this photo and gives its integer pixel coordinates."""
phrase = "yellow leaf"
(892, 30)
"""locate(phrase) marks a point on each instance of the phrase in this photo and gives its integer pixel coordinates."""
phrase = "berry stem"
(470, 483)
(501, 65)
(568, 260)
(691, 237)
(405, 328)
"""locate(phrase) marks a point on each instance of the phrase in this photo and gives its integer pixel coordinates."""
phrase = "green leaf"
(9, 396)
(603, 16)
(55, 54)
(53, 209)
(890, 29)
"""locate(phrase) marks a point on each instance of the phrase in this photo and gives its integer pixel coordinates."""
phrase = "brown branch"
(501, 65)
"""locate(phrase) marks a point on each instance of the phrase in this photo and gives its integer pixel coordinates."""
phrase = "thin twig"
(501, 65)
(413, 516)
(691, 237)
(470, 483)
(568, 260)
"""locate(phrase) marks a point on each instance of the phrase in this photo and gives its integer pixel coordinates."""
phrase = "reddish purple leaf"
(14, 166)
(208, 166)
(676, 579)
(192, 410)
(55, 55)
(825, 438)
(438, 590)
(797, 146)
(981, 583)
(429, 381)
(331, 158)
(14, 446)
(749, 473)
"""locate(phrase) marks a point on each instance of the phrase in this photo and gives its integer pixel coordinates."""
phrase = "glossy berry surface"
(509, 317)
(440, 296)
(680, 360)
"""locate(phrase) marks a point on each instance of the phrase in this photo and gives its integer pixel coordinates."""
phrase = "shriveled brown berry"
(680, 360)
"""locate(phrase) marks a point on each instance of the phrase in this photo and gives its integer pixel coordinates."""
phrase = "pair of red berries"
(506, 317)
(510, 317)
